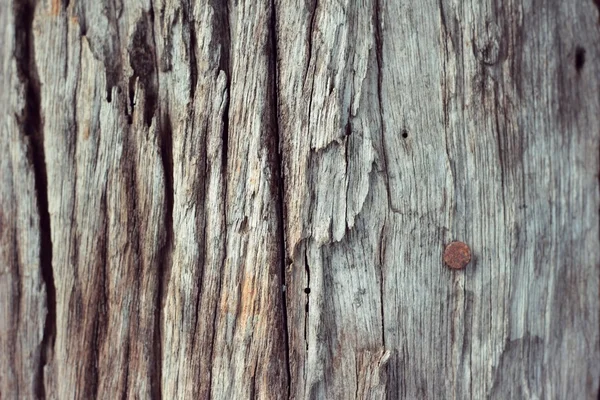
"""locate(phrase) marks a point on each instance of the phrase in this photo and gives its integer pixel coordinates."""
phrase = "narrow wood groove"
(280, 189)
(165, 133)
(307, 304)
(193, 61)
(164, 270)
(125, 391)
(31, 125)
(310, 38)
(382, 291)
(379, 57)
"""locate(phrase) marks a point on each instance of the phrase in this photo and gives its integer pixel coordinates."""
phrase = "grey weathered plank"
(171, 165)
(406, 126)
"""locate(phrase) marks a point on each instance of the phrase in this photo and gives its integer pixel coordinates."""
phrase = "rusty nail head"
(457, 255)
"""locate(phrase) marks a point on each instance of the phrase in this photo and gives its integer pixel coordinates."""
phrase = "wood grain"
(237, 199)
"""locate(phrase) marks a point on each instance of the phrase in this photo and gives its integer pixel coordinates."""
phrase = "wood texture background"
(250, 199)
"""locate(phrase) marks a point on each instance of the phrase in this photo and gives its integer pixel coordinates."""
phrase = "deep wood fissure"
(307, 304)
(379, 59)
(31, 125)
(310, 38)
(164, 264)
(188, 19)
(279, 174)
(162, 124)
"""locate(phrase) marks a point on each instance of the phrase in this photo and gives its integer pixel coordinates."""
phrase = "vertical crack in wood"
(280, 193)
(501, 153)
(225, 65)
(357, 376)
(379, 55)
(381, 282)
(446, 99)
(127, 368)
(193, 64)
(310, 39)
(92, 380)
(164, 270)
(307, 304)
(102, 305)
(30, 122)
(444, 32)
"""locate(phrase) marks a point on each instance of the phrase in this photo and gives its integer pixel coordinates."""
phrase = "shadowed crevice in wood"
(579, 58)
(165, 255)
(378, 50)
(31, 125)
(142, 59)
(188, 20)
(379, 56)
(222, 28)
(127, 368)
(307, 304)
(310, 37)
(164, 269)
(280, 192)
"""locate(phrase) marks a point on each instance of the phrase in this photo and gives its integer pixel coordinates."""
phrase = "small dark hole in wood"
(404, 133)
(307, 290)
(579, 58)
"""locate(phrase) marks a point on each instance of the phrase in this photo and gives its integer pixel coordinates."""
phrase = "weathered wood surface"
(251, 199)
